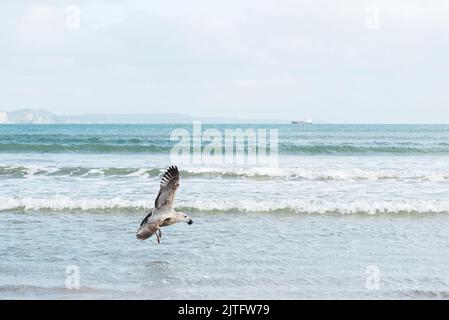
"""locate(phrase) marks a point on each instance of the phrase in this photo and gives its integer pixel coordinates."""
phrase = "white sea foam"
(287, 205)
(322, 206)
(67, 203)
(325, 174)
(291, 173)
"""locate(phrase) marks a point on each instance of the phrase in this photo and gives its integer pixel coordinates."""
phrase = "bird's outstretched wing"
(169, 185)
(145, 220)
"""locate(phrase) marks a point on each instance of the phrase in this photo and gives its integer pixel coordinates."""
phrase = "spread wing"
(146, 229)
(169, 185)
(145, 220)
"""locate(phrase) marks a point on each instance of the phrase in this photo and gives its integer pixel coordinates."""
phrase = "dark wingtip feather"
(171, 173)
(173, 170)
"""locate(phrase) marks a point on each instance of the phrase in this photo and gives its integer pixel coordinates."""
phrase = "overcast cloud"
(337, 61)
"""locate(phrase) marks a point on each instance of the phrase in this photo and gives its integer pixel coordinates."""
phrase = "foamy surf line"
(46, 144)
(295, 206)
(291, 173)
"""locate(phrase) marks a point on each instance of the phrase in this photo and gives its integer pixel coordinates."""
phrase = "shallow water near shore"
(224, 256)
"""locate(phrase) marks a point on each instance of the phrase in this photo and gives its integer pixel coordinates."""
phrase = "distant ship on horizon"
(304, 121)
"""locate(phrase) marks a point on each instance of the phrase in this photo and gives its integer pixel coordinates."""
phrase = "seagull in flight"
(163, 213)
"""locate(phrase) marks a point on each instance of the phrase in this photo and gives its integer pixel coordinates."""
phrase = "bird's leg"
(158, 234)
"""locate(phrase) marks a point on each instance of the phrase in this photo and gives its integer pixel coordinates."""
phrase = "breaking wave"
(290, 146)
(292, 206)
(83, 148)
(292, 173)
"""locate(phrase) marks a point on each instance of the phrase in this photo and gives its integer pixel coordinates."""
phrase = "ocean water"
(351, 211)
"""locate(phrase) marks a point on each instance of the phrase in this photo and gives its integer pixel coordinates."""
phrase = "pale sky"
(337, 61)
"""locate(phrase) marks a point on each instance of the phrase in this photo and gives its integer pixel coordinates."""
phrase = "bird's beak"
(190, 221)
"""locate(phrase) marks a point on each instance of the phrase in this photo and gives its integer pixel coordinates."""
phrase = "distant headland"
(42, 116)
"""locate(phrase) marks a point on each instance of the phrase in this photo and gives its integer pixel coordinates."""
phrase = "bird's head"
(184, 217)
